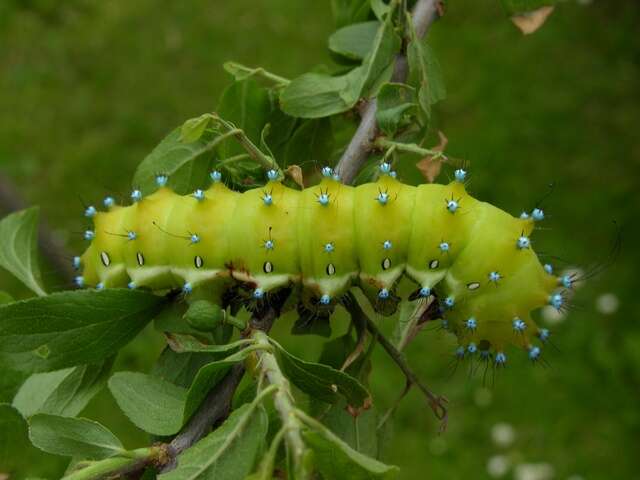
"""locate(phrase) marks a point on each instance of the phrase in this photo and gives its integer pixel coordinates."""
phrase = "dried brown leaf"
(295, 173)
(529, 22)
(431, 165)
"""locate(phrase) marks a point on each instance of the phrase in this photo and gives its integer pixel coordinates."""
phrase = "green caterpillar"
(474, 258)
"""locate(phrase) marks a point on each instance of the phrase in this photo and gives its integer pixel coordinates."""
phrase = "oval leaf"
(354, 41)
(18, 247)
(72, 328)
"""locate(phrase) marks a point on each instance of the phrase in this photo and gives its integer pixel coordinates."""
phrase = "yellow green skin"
(233, 229)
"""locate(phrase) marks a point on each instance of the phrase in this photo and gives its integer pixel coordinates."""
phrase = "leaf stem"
(132, 460)
(283, 402)
(385, 143)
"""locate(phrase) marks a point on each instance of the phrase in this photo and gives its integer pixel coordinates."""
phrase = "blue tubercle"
(519, 325)
(494, 277)
(325, 299)
(383, 294)
(269, 245)
(258, 293)
(501, 358)
(335, 176)
(323, 199)
(471, 324)
(89, 235)
(329, 247)
(452, 206)
(387, 245)
(272, 175)
(194, 238)
(548, 268)
(131, 235)
(449, 302)
(216, 176)
(161, 180)
(472, 348)
(523, 242)
(444, 246)
(100, 286)
(425, 291)
(393, 174)
(383, 198)
(544, 334)
(198, 195)
(79, 281)
(136, 195)
(460, 175)
(566, 281)
(327, 172)
(131, 285)
(187, 288)
(77, 263)
(385, 167)
(108, 202)
(556, 301)
(460, 352)
(524, 216)
(534, 353)
(537, 214)
(90, 212)
(267, 199)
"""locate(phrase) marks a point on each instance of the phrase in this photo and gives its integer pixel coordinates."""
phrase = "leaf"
(322, 381)
(359, 431)
(187, 343)
(312, 142)
(295, 173)
(425, 73)
(336, 460)
(73, 437)
(180, 368)
(228, 452)
(63, 392)
(346, 12)
(514, 7)
(152, 404)
(386, 45)
(431, 165)
(13, 438)
(395, 100)
(529, 22)
(354, 41)
(18, 247)
(380, 9)
(178, 160)
(316, 95)
(247, 106)
(5, 298)
(72, 328)
(194, 128)
(407, 326)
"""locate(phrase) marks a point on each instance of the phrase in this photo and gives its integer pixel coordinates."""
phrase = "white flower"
(503, 434)
(498, 466)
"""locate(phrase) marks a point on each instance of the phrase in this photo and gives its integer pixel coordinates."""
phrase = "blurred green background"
(87, 88)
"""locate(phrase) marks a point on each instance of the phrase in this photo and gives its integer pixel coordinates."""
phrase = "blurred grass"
(88, 88)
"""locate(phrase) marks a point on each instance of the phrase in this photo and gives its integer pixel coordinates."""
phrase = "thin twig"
(425, 13)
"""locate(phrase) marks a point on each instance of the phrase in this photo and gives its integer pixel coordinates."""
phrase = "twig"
(436, 402)
(424, 14)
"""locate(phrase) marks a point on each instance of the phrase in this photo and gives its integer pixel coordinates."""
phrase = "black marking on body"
(267, 267)
(331, 269)
(433, 264)
(386, 263)
(140, 258)
(198, 261)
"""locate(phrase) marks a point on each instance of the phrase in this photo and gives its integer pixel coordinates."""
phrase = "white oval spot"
(386, 263)
(433, 264)
(473, 285)
(267, 267)
(104, 258)
(140, 258)
(198, 261)
(331, 269)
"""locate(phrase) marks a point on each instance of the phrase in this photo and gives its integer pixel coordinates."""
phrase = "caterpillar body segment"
(474, 258)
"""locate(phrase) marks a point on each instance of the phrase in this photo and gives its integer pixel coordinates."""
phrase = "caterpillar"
(476, 260)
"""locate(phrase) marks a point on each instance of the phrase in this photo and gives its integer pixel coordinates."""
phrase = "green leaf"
(354, 41)
(72, 328)
(180, 368)
(321, 381)
(359, 431)
(183, 162)
(13, 438)
(228, 452)
(407, 326)
(194, 128)
(18, 247)
(380, 9)
(425, 73)
(246, 105)
(73, 437)
(346, 12)
(311, 143)
(187, 343)
(336, 460)
(63, 392)
(152, 404)
(315, 95)
(395, 101)
(514, 7)
(377, 63)
(5, 298)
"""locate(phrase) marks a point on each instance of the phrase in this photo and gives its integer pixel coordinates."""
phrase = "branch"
(436, 402)
(424, 14)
